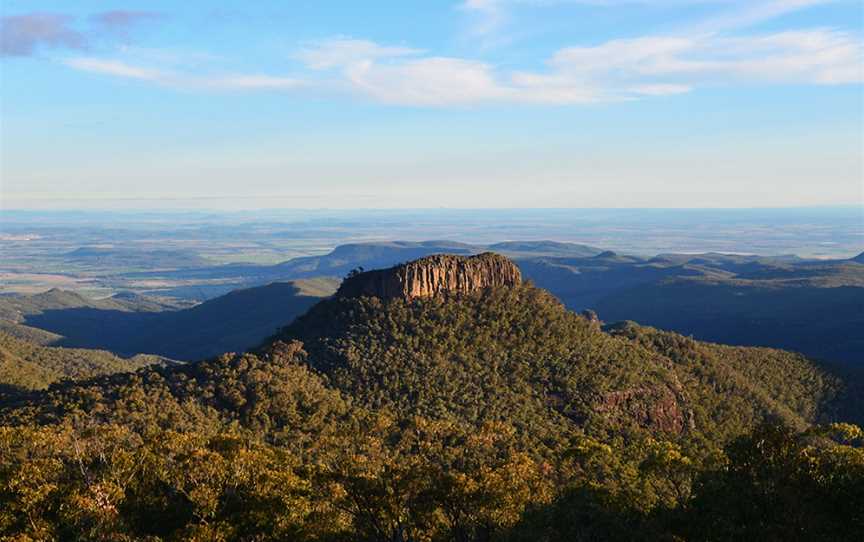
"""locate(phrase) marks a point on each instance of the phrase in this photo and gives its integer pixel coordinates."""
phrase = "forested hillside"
(517, 354)
(497, 415)
(28, 366)
(813, 307)
(810, 306)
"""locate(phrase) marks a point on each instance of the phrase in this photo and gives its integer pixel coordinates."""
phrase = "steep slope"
(511, 354)
(738, 386)
(821, 322)
(129, 325)
(514, 352)
(32, 335)
(18, 308)
(434, 275)
(234, 322)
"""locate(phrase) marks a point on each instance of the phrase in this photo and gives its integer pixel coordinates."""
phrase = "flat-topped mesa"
(433, 275)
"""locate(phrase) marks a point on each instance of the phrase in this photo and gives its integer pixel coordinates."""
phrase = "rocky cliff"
(660, 408)
(434, 275)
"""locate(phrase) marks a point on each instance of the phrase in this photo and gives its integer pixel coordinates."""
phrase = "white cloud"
(428, 81)
(660, 90)
(341, 51)
(180, 80)
(251, 82)
(115, 68)
(810, 57)
(614, 70)
(493, 16)
(752, 12)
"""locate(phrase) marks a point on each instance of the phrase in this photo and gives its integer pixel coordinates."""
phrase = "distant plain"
(99, 253)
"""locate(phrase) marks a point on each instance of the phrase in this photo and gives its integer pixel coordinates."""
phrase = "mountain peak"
(433, 275)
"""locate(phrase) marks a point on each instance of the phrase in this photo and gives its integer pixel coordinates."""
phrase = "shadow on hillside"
(822, 323)
(9, 392)
(86, 327)
(235, 322)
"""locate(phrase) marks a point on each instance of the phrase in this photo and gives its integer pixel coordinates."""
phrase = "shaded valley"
(125, 325)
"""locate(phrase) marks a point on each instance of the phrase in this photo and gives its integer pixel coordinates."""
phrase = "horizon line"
(859, 206)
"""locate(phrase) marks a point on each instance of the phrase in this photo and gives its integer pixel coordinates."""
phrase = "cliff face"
(434, 275)
(661, 408)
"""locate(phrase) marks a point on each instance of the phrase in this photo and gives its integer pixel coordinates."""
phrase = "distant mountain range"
(344, 258)
(815, 307)
(812, 306)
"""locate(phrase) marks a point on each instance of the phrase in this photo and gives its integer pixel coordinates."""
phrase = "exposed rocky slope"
(434, 275)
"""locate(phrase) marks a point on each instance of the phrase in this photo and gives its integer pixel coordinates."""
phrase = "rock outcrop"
(434, 275)
(661, 408)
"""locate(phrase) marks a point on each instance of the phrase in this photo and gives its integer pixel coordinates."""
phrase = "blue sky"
(477, 103)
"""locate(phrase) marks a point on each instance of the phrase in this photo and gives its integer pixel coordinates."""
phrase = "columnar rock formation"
(434, 275)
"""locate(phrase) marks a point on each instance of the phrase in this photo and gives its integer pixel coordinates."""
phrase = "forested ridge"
(27, 366)
(496, 416)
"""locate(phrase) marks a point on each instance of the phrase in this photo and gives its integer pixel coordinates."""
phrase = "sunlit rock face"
(434, 275)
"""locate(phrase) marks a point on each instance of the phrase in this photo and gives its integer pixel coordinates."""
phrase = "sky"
(431, 104)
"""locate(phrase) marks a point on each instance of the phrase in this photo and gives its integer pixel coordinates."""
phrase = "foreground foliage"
(495, 417)
(423, 481)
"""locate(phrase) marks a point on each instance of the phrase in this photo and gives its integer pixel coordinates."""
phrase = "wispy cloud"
(749, 13)
(251, 82)
(811, 57)
(325, 54)
(24, 35)
(433, 81)
(115, 68)
(614, 70)
(611, 71)
(169, 78)
(489, 17)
